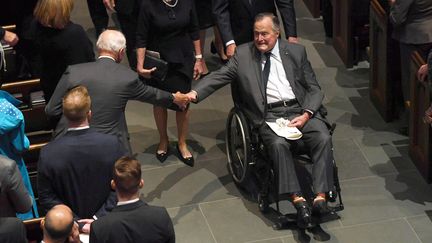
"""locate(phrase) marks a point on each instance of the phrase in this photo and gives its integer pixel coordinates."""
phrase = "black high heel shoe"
(162, 156)
(188, 161)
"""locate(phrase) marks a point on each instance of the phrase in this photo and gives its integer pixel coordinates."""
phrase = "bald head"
(58, 223)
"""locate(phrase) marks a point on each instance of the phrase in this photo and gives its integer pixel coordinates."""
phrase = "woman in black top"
(61, 43)
(170, 27)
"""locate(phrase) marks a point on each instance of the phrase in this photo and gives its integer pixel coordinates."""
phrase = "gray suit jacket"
(14, 197)
(244, 72)
(412, 20)
(110, 86)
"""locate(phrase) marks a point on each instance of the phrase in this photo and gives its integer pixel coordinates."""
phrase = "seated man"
(76, 169)
(12, 230)
(58, 226)
(274, 79)
(132, 220)
(14, 197)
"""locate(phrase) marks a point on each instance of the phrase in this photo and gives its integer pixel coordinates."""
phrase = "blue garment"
(13, 141)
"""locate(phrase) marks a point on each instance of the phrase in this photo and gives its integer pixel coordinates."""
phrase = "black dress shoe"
(188, 161)
(162, 156)
(304, 216)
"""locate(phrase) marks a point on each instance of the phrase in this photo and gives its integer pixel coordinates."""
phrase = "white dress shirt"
(278, 87)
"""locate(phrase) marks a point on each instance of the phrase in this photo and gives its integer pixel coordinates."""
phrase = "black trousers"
(98, 15)
(128, 25)
(317, 140)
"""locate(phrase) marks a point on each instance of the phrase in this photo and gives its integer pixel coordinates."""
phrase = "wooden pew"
(314, 7)
(34, 113)
(384, 79)
(420, 140)
(34, 231)
(350, 30)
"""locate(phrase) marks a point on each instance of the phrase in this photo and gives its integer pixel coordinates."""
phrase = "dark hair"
(127, 175)
(274, 19)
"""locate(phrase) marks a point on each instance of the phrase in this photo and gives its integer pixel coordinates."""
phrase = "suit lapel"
(258, 70)
(287, 64)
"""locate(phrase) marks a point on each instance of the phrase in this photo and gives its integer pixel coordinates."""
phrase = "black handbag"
(161, 67)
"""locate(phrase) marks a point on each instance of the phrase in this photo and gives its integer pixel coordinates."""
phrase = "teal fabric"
(13, 142)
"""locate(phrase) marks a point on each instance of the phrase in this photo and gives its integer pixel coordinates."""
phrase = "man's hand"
(299, 121)
(230, 50)
(192, 95)
(86, 228)
(146, 73)
(10, 38)
(422, 72)
(198, 69)
(181, 100)
(74, 235)
(292, 39)
(109, 4)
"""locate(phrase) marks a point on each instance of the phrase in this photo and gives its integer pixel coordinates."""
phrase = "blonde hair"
(76, 104)
(53, 13)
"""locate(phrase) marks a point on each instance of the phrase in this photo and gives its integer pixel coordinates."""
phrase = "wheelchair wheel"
(238, 145)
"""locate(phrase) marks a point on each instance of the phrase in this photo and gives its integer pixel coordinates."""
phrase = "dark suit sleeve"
(93, 229)
(16, 191)
(217, 79)
(429, 63)
(222, 15)
(169, 228)
(399, 11)
(314, 95)
(287, 12)
(140, 91)
(2, 32)
(54, 107)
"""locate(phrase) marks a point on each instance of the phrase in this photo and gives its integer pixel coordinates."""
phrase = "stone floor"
(386, 199)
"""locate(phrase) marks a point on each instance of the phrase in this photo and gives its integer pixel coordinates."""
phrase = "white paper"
(281, 128)
(84, 238)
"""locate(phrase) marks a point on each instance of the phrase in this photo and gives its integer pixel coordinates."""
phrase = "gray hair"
(274, 19)
(111, 40)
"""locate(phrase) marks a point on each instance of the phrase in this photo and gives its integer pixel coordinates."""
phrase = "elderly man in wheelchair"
(273, 79)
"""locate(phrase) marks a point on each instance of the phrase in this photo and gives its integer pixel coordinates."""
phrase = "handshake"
(182, 100)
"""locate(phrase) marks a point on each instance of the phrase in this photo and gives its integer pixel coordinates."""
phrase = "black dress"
(171, 32)
(60, 48)
(204, 13)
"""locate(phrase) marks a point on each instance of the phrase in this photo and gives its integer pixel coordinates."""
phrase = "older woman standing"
(60, 42)
(171, 28)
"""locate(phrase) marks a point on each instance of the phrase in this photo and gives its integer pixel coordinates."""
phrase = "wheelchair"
(247, 157)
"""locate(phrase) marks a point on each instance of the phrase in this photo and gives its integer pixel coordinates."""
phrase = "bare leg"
(219, 44)
(202, 40)
(160, 116)
(182, 118)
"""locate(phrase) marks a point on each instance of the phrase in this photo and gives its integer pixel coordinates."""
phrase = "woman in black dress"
(170, 27)
(60, 42)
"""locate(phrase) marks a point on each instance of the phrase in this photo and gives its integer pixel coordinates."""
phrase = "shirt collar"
(107, 57)
(127, 202)
(78, 128)
(275, 50)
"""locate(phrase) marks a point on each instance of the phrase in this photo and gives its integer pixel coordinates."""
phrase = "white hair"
(111, 40)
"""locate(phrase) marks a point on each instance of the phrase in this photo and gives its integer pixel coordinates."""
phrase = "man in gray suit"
(110, 86)
(14, 197)
(274, 79)
(412, 21)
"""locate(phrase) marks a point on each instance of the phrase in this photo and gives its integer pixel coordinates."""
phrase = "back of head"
(76, 104)
(127, 176)
(53, 13)
(58, 224)
(111, 41)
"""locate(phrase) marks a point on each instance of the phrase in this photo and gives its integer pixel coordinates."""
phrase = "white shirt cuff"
(230, 42)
